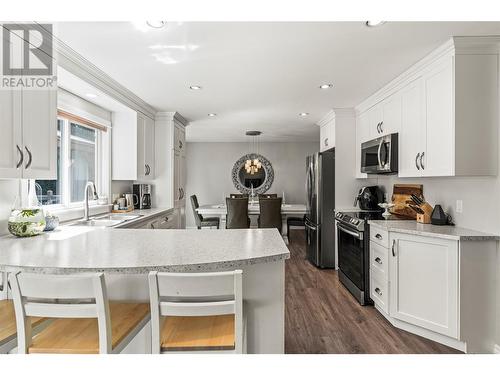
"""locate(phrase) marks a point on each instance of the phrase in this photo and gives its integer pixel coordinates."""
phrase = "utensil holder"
(425, 218)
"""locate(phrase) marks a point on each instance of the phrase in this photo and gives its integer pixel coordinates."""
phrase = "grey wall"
(209, 170)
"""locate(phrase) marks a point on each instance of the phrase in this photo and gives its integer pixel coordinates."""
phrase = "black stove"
(353, 240)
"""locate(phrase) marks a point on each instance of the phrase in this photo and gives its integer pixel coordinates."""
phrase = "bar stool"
(8, 332)
(84, 322)
(197, 312)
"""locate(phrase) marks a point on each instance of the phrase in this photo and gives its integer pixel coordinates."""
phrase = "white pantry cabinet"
(145, 148)
(28, 127)
(424, 282)
(445, 109)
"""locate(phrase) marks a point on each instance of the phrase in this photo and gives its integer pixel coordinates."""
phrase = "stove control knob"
(356, 221)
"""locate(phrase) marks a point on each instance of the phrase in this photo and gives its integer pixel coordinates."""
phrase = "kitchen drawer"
(379, 259)
(379, 291)
(379, 236)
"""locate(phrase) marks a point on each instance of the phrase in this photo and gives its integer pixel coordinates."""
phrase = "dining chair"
(197, 312)
(238, 195)
(268, 196)
(295, 222)
(199, 219)
(270, 213)
(83, 321)
(237, 213)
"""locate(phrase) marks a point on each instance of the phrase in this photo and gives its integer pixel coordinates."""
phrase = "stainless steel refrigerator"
(320, 215)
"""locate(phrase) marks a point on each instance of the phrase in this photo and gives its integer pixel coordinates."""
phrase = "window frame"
(102, 169)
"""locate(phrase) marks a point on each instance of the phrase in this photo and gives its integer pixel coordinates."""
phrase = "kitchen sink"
(97, 223)
(107, 220)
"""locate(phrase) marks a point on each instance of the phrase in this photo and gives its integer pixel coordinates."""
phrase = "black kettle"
(369, 197)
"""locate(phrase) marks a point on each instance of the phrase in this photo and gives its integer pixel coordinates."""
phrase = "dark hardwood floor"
(321, 316)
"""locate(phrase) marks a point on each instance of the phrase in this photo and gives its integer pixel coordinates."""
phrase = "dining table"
(287, 210)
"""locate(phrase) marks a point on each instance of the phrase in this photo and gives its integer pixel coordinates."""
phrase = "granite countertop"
(81, 249)
(438, 231)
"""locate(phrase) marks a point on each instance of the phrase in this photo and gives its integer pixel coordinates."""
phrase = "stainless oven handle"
(308, 226)
(358, 235)
(378, 153)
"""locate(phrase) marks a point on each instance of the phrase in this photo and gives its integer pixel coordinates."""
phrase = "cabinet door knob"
(379, 236)
(378, 260)
(421, 161)
(378, 291)
(326, 141)
(30, 158)
(416, 161)
(21, 157)
(393, 246)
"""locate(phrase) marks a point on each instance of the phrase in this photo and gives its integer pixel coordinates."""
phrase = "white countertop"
(78, 249)
(438, 231)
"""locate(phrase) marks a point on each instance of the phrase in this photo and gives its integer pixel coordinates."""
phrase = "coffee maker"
(142, 196)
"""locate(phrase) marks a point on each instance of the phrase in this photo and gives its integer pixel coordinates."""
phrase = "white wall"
(209, 168)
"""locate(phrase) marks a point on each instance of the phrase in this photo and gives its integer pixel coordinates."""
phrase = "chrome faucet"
(89, 188)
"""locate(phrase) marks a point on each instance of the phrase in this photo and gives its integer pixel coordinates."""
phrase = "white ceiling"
(258, 76)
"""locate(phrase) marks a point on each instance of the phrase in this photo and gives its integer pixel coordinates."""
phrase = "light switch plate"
(460, 206)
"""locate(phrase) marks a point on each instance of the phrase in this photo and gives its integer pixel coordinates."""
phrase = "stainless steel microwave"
(380, 155)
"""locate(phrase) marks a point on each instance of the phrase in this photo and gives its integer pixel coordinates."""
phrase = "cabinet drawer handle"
(326, 141)
(21, 157)
(28, 164)
(378, 291)
(421, 162)
(180, 144)
(393, 245)
(379, 236)
(378, 260)
(416, 161)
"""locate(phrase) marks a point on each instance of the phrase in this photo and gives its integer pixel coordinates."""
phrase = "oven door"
(351, 254)
(380, 155)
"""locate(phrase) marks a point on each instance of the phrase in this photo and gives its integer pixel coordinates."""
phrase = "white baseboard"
(496, 349)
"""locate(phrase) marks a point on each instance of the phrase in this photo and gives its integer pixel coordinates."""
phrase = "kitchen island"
(127, 255)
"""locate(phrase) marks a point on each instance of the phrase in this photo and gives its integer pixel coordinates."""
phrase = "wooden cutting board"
(401, 194)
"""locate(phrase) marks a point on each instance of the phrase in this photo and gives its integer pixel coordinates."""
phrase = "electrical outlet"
(460, 206)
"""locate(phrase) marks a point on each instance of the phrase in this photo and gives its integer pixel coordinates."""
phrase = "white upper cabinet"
(28, 126)
(362, 135)
(412, 133)
(39, 117)
(327, 132)
(11, 142)
(445, 109)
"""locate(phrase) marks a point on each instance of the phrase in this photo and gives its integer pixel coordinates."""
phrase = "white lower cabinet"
(424, 282)
(438, 288)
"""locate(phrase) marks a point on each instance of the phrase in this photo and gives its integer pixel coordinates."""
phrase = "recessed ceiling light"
(374, 23)
(212, 114)
(156, 24)
(303, 114)
(91, 96)
(326, 86)
(195, 87)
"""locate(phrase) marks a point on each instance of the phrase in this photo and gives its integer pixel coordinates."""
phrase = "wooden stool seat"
(192, 333)
(8, 329)
(81, 335)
